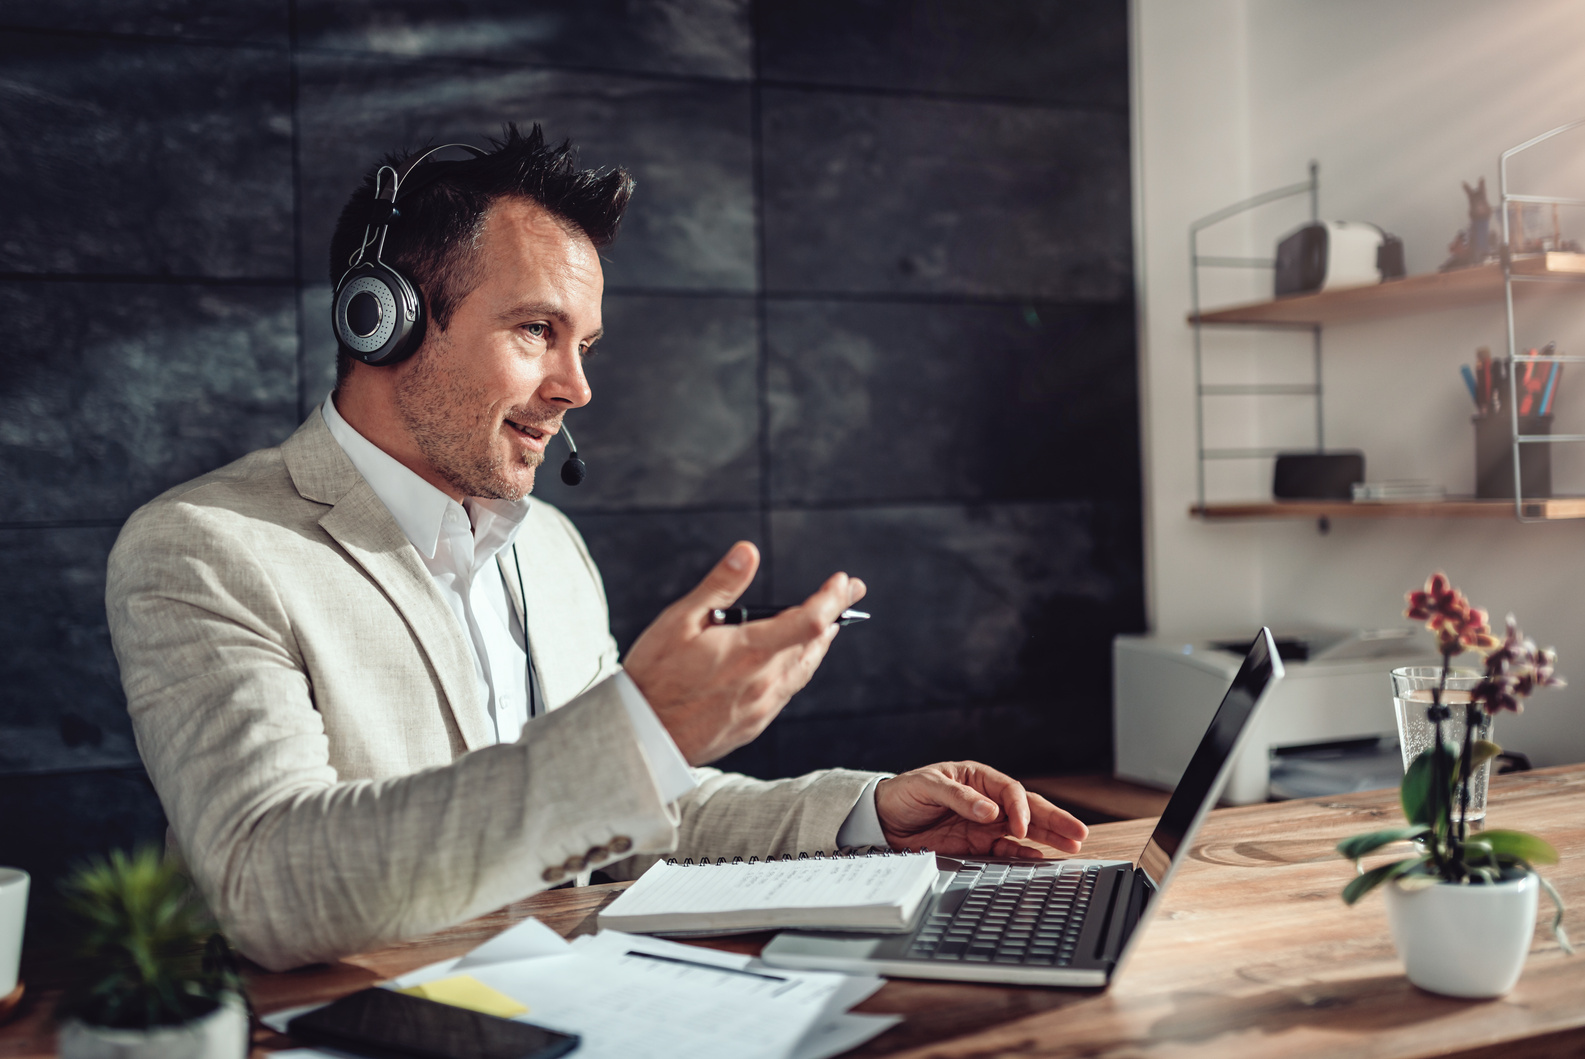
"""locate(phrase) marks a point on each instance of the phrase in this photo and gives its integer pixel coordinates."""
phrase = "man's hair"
(435, 240)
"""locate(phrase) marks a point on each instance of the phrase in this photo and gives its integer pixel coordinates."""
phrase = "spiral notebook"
(876, 892)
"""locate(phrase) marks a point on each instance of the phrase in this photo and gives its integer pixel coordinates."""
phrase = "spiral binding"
(705, 862)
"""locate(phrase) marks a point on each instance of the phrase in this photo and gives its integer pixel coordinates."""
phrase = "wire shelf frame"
(1197, 261)
(1509, 278)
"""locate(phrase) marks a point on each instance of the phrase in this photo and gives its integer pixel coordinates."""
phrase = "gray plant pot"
(221, 1034)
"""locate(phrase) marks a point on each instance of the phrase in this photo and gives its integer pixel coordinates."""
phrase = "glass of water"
(1411, 697)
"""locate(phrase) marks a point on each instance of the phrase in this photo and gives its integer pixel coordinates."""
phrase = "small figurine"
(1527, 233)
(1458, 252)
(1471, 245)
(1479, 221)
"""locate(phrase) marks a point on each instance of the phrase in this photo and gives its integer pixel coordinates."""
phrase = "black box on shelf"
(1317, 475)
(1494, 457)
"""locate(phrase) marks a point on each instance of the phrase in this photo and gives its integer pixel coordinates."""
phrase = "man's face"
(483, 398)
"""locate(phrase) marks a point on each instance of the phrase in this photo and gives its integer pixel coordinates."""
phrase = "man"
(374, 683)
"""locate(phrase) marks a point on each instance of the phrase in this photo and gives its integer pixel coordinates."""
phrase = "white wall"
(1398, 102)
(1191, 118)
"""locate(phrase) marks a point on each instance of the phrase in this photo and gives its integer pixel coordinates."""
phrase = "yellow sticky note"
(465, 991)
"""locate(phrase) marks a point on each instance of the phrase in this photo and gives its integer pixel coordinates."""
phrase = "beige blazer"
(307, 707)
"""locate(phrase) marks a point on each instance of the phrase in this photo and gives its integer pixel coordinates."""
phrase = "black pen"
(739, 615)
(700, 963)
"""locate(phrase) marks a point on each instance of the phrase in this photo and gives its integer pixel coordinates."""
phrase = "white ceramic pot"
(13, 915)
(1464, 941)
(221, 1034)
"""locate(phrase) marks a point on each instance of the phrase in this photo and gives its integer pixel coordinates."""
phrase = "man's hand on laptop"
(963, 807)
(716, 687)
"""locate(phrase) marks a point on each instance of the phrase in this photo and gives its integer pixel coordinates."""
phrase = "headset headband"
(377, 313)
(384, 209)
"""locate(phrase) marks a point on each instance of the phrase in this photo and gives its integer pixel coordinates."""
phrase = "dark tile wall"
(64, 711)
(871, 308)
(1025, 50)
(873, 400)
(147, 158)
(113, 392)
(880, 194)
(689, 142)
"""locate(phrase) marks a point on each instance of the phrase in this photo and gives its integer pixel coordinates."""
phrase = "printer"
(1336, 700)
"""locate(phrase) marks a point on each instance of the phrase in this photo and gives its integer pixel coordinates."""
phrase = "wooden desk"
(1252, 954)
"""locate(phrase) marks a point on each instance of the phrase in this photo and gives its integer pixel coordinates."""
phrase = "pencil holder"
(1494, 457)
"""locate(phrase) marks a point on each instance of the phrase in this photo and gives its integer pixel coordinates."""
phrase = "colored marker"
(1469, 382)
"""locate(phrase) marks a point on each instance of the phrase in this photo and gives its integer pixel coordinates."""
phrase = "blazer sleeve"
(732, 815)
(728, 814)
(301, 867)
(610, 656)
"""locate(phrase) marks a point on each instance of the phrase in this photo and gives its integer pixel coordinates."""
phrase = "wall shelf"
(1428, 292)
(1554, 509)
(1525, 264)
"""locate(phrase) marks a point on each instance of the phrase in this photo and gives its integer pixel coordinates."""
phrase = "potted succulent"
(151, 978)
(1462, 904)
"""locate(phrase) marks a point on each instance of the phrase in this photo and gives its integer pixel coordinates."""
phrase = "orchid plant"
(1440, 776)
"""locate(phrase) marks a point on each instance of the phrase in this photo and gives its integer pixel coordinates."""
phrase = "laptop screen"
(1202, 779)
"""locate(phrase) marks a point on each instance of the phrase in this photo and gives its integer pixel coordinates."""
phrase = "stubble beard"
(454, 429)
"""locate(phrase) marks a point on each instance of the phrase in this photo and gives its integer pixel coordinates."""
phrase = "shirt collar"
(418, 507)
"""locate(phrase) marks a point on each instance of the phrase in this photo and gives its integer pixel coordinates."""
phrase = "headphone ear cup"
(377, 314)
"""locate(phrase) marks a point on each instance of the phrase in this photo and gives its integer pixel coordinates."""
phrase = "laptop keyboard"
(1012, 914)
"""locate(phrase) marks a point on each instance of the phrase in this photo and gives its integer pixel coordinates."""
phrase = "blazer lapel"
(361, 524)
(511, 560)
(555, 646)
(569, 630)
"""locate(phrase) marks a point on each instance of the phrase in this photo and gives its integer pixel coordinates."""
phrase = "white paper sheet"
(628, 995)
(841, 1033)
(526, 941)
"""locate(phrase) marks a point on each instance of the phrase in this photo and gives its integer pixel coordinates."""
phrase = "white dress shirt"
(458, 543)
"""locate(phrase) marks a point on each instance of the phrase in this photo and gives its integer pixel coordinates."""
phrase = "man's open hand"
(716, 687)
(963, 807)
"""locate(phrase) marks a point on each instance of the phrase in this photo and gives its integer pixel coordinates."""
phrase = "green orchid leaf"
(1415, 788)
(1481, 752)
(1476, 850)
(1419, 807)
(1360, 845)
(1518, 845)
(1361, 885)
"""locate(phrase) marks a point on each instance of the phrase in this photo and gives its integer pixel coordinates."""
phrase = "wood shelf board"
(1422, 293)
(1555, 508)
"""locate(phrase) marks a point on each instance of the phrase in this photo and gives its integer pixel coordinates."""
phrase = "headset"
(377, 314)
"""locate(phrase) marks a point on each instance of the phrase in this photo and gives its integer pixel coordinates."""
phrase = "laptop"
(1064, 923)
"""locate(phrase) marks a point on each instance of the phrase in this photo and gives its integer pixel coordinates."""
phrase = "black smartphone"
(385, 1024)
